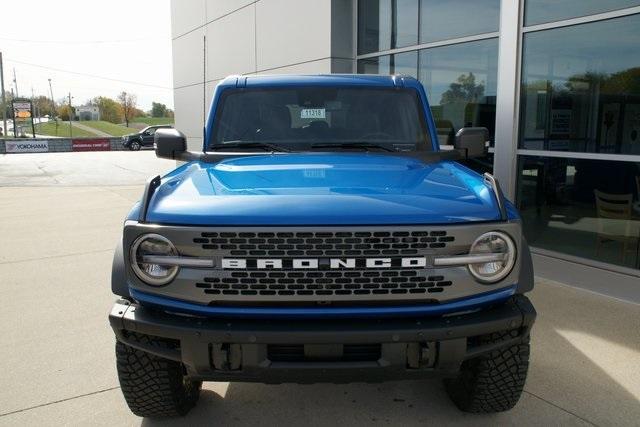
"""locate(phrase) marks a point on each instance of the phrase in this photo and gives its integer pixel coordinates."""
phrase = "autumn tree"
(110, 110)
(128, 103)
(65, 113)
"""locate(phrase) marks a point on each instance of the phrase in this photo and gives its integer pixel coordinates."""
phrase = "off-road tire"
(492, 382)
(154, 387)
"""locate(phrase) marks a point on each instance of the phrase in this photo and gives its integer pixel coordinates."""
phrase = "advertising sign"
(27, 146)
(22, 117)
(99, 144)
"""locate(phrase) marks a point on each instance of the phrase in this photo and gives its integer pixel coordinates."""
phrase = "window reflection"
(386, 24)
(401, 63)
(461, 83)
(585, 208)
(581, 88)
(539, 11)
(441, 20)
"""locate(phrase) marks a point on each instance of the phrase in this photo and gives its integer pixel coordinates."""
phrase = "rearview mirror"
(472, 141)
(170, 144)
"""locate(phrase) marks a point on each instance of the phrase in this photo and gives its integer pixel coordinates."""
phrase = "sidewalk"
(91, 130)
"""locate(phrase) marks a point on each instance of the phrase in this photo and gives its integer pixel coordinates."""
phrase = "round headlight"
(149, 245)
(493, 242)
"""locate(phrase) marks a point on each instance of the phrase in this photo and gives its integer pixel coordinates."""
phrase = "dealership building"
(557, 83)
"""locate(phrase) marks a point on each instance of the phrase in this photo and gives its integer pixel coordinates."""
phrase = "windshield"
(302, 118)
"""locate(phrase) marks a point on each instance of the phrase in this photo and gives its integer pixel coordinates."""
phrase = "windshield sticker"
(313, 113)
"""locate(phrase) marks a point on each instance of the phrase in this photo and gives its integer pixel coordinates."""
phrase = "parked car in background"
(144, 138)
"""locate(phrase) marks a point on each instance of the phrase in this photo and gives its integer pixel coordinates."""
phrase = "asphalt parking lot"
(60, 218)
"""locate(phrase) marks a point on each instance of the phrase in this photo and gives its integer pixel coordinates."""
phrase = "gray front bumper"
(237, 350)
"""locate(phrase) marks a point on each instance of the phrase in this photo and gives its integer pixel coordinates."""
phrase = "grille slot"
(324, 283)
(343, 243)
(350, 353)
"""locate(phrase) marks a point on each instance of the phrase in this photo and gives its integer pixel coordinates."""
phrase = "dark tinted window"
(441, 20)
(297, 117)
(386, 24)
(539, 11)
(581, 88)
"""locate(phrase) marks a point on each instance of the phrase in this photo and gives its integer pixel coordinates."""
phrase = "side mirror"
(472, 141)
(170, 144)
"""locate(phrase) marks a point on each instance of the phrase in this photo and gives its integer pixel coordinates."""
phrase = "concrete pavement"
(56, 243)
(97, 168)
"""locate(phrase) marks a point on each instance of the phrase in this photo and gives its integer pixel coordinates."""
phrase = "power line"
(88, 75)
(75, 41)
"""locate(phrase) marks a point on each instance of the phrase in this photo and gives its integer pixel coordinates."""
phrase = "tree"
(110, 110)
(128, 103)
(7, 107)
(138, 113)
(42, 106)
(464, 89)
(65, 112)
(158, 110)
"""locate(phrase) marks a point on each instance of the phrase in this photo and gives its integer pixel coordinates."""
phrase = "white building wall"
(251, 37)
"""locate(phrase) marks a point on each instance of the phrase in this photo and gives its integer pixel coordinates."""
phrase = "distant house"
(88, 112)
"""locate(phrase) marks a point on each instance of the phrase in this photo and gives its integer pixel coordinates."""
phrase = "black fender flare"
(526, 278)
(119, 285)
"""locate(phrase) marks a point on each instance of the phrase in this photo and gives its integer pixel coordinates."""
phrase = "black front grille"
(324, 283)
(342, 243)
(350, 353)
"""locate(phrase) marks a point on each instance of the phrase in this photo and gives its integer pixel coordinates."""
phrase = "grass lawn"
(108, 127)
(49, 128)
(154, 120)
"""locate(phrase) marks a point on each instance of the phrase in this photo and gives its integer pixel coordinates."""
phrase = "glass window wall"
(401, 63)
(442, 20)
(582, 207)
(386, 24)
(581, 88)
(541, 11)
(461, 83)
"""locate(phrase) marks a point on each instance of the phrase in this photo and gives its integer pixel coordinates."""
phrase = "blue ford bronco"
(321, 235)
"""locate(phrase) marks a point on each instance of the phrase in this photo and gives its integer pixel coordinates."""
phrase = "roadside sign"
(27, 146)
(22, 116)
(98, 144)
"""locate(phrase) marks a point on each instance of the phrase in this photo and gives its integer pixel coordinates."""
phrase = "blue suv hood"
(321, 189)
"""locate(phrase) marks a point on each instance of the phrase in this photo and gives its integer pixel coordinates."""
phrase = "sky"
(89, 48)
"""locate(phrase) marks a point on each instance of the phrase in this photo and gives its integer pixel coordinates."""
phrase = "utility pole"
(4, 100)
(33, 106)
(53, 114)
(15, 82)
(15, 129)
(53, 103)
(70, 114)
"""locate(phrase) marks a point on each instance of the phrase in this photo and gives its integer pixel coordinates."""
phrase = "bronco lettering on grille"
(316, 263)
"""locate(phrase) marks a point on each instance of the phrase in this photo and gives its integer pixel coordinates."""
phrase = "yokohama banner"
(33, 146)
(100, 144)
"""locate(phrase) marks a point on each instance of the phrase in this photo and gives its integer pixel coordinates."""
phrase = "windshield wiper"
(363, 145)
(263, 145)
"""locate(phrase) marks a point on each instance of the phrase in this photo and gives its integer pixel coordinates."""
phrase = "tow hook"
(226, 357)
(421, 355)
